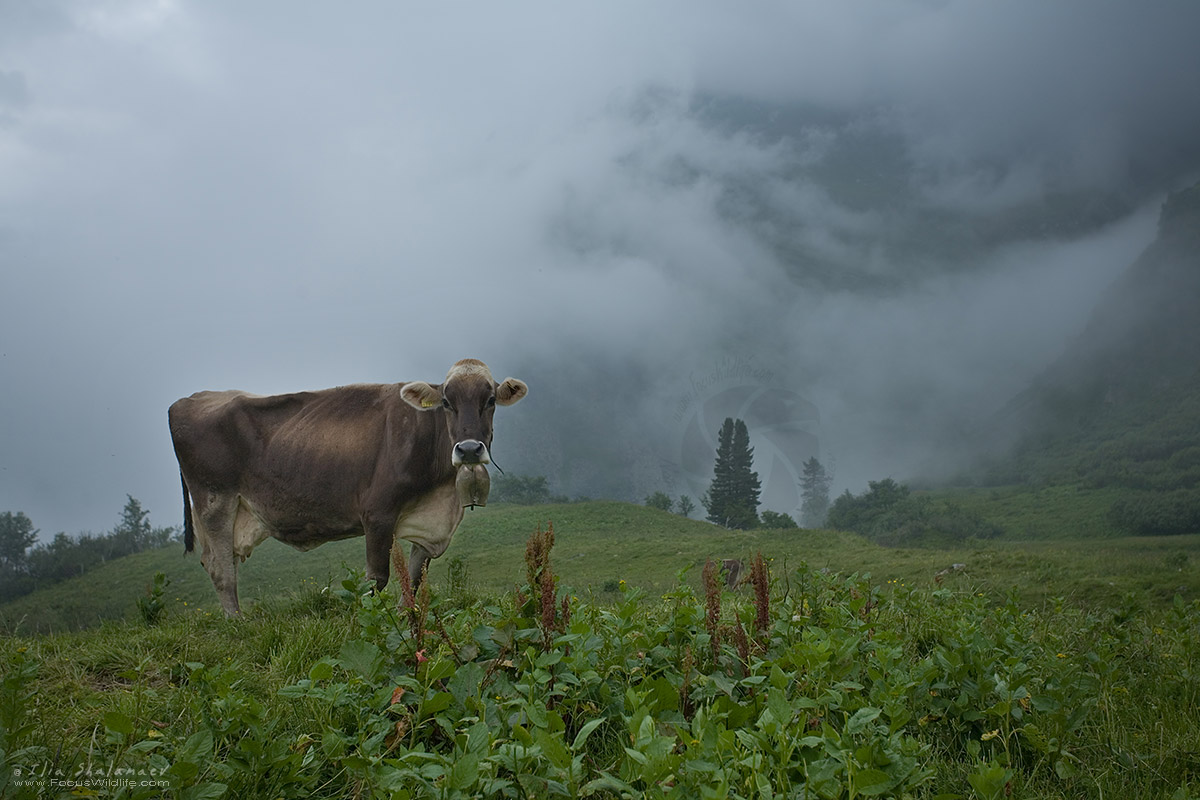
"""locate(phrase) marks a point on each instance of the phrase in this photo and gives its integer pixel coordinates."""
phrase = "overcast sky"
(278, 196)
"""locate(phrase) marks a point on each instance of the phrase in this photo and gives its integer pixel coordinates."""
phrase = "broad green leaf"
(198, 747)
(203, 791)
(361, 657)
(439, 669)
(466, 682)
(439, 701)
(118, 722)
(298, 689)
(549, 659)
(537, 715)
(606, 782)
(861, 719)
(321, 671)
(464, 773)
(585, 732)
(554, 749)
(477, 738)
(661, 695)
(873, 782)
(522, 735)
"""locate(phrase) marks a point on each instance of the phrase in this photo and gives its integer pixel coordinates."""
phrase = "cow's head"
(468, 398)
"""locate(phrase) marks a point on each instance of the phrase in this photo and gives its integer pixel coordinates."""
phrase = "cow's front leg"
(379, 553)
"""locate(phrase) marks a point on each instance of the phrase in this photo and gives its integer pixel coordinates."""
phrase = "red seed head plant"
(685, 688)
(712, 605)
(542, 582)
(546, 589)
(742, 643)
(400, 566)
(760, 577)
(421, 613)
(537, 554)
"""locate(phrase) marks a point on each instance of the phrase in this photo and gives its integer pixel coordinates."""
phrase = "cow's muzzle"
(470, 451)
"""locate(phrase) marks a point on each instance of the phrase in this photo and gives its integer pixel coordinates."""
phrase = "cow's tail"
(189, 530)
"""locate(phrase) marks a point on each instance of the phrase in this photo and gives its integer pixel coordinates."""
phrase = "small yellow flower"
(1061, 655)
(987, 737)
(152, 734)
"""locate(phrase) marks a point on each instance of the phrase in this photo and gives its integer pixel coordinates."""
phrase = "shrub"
(774, 519)
(888, 514)
(1158, 513)
(659, 500)
(522, 490)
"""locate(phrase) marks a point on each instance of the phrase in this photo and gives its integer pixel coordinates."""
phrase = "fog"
(864, 226)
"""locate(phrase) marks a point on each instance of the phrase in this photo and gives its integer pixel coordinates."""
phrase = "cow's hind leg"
(214, 522)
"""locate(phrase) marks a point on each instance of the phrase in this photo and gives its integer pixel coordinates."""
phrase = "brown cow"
(378, 460)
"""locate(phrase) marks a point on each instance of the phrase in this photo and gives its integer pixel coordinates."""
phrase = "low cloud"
(902, 212)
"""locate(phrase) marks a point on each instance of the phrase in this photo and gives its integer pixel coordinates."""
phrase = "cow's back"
(238, 440)
(218, 435)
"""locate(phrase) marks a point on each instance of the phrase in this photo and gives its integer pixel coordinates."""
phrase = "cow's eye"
(491, 401)
(446, 404)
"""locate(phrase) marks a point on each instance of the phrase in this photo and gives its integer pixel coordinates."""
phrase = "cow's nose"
(470, 451)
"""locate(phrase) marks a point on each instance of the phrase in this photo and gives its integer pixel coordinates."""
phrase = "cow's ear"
(510, 391)
(421, 395)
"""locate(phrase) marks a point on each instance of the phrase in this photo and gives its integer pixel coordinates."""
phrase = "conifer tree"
(814, 494)
(732, 497)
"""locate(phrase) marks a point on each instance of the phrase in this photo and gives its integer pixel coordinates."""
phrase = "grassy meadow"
(615, 667)
(602, 543)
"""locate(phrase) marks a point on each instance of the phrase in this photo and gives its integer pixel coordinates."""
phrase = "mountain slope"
(1121, 407)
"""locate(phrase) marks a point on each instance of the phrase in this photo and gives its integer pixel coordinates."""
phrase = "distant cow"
(313, 467)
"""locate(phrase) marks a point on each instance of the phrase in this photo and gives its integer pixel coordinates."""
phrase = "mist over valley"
(869, 232)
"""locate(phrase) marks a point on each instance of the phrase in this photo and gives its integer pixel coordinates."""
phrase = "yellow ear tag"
(427, 404)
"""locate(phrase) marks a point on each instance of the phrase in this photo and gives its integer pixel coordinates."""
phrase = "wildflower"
(987, 737)
(1061, 655)
(762, 598)
(712, 602)
(741, 642)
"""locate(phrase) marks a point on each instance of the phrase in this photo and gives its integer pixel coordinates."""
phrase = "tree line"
(733, 496)
(26, 565)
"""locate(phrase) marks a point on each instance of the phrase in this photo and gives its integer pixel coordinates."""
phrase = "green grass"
(858, 687)
(600, 544)
(1027, 513)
